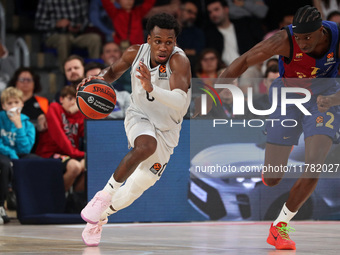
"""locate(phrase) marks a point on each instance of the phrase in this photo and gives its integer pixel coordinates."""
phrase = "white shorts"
(137, 124)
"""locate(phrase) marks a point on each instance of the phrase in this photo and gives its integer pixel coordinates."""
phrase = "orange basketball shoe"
(278, 237)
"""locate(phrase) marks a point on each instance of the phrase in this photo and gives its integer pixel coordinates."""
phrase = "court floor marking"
(196, 224)
(157, 244)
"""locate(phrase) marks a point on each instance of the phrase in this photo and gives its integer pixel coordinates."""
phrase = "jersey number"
(329, 123)
(148, 97)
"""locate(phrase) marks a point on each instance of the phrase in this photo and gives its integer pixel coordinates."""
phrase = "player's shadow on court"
(91, 251)
(281, 252)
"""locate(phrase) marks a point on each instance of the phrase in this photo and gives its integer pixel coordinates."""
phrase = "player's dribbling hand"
(324, 103)
(88, 79)
(144, 77)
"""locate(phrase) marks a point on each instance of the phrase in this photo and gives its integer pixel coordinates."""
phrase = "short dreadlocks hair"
(164, 21)
(307, 19)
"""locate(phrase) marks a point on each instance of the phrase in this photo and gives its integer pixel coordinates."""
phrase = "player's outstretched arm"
(117, 69)
(278, 44)
(113, 72)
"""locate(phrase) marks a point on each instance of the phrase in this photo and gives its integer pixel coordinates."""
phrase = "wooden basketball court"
(314, 237)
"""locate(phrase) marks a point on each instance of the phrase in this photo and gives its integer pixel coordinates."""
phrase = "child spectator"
(127, 21)
(35, 107)
(17, 136)
(61, 140)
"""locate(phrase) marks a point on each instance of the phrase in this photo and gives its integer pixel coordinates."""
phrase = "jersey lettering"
(148, 97)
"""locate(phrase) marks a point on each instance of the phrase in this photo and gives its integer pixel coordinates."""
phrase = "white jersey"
(161, 116)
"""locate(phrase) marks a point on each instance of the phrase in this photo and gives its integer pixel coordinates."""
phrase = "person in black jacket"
(225, 36)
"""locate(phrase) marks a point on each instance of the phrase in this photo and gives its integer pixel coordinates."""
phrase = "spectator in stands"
(285, 21)
(226, 110)
(271, 74)
(93, 68)
(221, 34)
(123, 97)
(64, 23)
(62, 138)
(16, 139)
(209, 64)
(247, 8)
(191, 39)
(74, 70)
(99, 18)
(247, 17)
(262, 102)
(251, 78)
(3, 75)
(168, 6)
(334, 16)
(3, 51)
(123, 102)
(276, 10)
(273, 61)
(127, 21)
(7, 66)
(35, 107)
(110, 54)
(325, 7)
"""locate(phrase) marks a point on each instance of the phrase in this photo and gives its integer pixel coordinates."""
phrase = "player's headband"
(308, 27)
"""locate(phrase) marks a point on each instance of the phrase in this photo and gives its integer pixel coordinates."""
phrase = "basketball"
(96, 99)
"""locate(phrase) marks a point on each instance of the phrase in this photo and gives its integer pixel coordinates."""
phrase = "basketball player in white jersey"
(160, 80)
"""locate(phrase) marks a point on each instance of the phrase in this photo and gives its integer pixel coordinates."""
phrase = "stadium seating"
(40, 192)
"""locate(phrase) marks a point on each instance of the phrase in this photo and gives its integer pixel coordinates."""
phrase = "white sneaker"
(94, 209)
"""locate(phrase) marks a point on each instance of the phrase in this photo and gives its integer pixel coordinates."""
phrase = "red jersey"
(63, 133)
(128, 25)
(302, 65)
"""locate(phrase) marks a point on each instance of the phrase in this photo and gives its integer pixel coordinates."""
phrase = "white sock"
(285, 215)
(107, 213)
(112, 186)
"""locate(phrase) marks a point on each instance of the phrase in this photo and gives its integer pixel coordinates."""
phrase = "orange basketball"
(96, 99)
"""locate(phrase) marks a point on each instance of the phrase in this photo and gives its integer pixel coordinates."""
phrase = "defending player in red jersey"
(308, 49)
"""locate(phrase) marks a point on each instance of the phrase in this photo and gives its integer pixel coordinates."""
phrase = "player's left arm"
(180, 79)
(181, 73)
